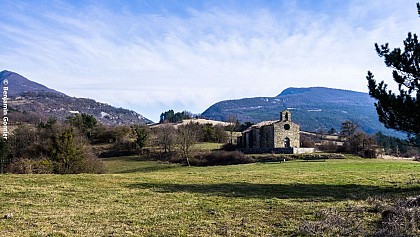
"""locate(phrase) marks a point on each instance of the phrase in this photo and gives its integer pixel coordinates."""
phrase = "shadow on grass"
(136, 164)
(313, 192)
(126, 158)
(146, 168)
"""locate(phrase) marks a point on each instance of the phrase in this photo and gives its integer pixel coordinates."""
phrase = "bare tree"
(187, 136)
(22, 141)
(233, 121)
(220, 134)
(348, 129)
(165, 137)
(357, 141)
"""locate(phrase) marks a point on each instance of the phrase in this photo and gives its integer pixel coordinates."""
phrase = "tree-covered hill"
(315, 109)
(31, 100)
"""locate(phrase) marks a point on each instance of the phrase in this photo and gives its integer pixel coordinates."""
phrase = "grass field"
(147, 198)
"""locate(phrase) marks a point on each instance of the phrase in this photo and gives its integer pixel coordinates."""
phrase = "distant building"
(280, 136)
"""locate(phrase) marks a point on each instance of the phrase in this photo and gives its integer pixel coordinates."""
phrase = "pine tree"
(141, 136)
(399, 111)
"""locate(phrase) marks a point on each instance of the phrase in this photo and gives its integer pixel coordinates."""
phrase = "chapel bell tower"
(285, 116)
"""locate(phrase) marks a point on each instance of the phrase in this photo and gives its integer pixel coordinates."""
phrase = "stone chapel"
(280, 134)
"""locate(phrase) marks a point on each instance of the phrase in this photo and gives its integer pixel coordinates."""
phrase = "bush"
(86, 162)
(328, 146)
(91, 164)
(120, 148)
(21, 166)
(27, 166)
(412, 153)
(320, 156)
(306, 141)
(332, 222)
(51, 148)
(229, 147)
(71, 154)
(288, 157)
(401, 219)
(273, 158)
(369, 153)
(43, 166)
(221, 158)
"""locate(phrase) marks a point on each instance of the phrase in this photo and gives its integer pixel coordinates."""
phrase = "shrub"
(43, 166)
(306, 141)
(20, 166)
(369, 153)
(120, 148)
(328, 146)
(229, 147)
(221, 158)
(51, 148)
(319, 156)
(331, 222)
(288, 157)
(71, 154)
(401, 219)
(27, 166)
(91, 164)
(412, 153)
(173, 157)
(273, 158)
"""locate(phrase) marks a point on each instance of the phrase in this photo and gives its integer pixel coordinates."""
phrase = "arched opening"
(287, 142)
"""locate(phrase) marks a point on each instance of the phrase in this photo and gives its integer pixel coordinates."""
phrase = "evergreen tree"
(142, 134)
(85, 123)
(400, 111)
(172, 117)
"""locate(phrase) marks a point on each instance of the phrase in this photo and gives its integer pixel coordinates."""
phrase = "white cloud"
(152, 62)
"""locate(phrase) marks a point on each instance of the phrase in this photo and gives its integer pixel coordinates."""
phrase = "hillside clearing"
(147, 198)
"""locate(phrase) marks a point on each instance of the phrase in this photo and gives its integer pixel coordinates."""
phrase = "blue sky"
(152, 56)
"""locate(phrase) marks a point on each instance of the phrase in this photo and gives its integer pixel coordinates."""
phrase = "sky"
(152, 56)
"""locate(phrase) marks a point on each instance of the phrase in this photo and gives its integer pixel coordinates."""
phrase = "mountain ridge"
(21, 84)
(314, 108)
(26, 96)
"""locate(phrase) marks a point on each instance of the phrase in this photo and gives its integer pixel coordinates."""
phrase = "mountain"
(20, 84)
(33, 100)
(314, 108)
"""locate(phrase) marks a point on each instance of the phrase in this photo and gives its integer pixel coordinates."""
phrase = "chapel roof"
(260, 124)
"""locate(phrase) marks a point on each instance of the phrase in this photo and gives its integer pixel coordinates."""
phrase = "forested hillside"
(29, 101)
(315, 109)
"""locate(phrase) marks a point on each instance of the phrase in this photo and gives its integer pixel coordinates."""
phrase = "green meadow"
(149, 198)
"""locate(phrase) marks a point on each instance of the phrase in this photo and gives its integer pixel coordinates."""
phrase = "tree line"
(73, 146)
(171, 117)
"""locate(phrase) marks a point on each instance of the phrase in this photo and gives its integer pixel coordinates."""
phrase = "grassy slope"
(155, 199)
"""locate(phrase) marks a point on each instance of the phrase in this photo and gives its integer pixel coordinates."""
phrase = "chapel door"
(287, 142)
